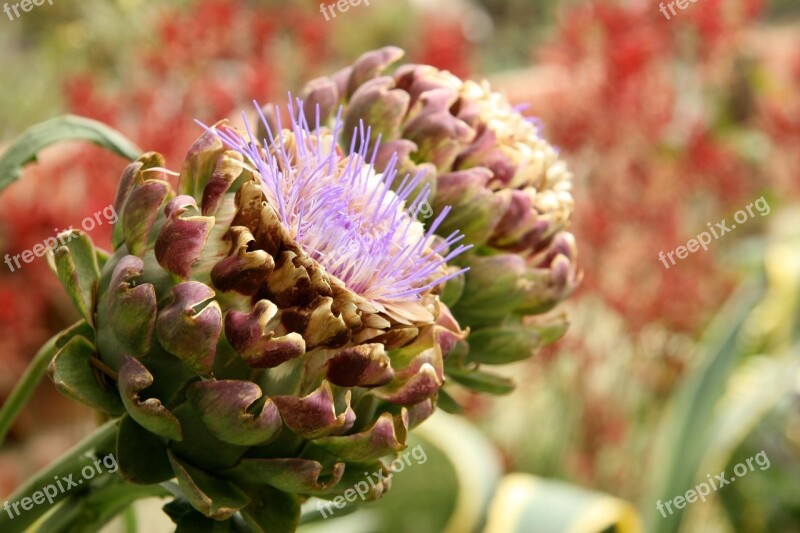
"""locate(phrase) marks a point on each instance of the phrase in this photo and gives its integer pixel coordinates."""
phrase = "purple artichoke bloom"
(346, 216)
(270, 330)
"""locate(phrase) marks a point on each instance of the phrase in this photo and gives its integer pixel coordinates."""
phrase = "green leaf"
(150, 413)
(75, 263)
(199, 445)
(493, 289)
(212, 496)
(74, 376)
(64, 128)
(550, 328)
(231, 410)
(81, 328)
(386, 436)
(188, 520)
(453, 289)
(499, 345)
(272, 511)
(448, 404)
(141, 455)
(685, 436)
(294, 474)
(757, 387)
(479, 380)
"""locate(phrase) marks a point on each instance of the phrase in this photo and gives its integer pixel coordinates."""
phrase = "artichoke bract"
(270, 330)
(508, 188)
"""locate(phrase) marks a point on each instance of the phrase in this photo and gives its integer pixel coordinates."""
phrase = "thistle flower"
(253, 351)
(508, 188)
(346, 216)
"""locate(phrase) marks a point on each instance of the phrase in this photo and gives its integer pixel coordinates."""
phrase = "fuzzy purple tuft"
(344, 214)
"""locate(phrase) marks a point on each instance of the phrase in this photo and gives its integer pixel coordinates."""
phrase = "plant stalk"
(26, 386)
(68, 466)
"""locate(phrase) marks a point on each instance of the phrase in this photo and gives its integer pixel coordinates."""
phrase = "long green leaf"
(64, 128)
(686, 434)
(757, 387)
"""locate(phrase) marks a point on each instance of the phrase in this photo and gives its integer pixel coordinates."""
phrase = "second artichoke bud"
(509, 190)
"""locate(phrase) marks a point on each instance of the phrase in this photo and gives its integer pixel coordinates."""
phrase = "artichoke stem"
(90, 511)
(26, 386)
(129, 520)
(102, 439)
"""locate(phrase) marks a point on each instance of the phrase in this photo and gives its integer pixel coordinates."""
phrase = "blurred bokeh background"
(665, 376)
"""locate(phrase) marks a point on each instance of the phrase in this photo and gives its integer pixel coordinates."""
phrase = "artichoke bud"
(506, 188)
(238, 327)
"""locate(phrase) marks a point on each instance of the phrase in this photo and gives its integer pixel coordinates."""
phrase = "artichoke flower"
(269, 331)
(508, 188)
